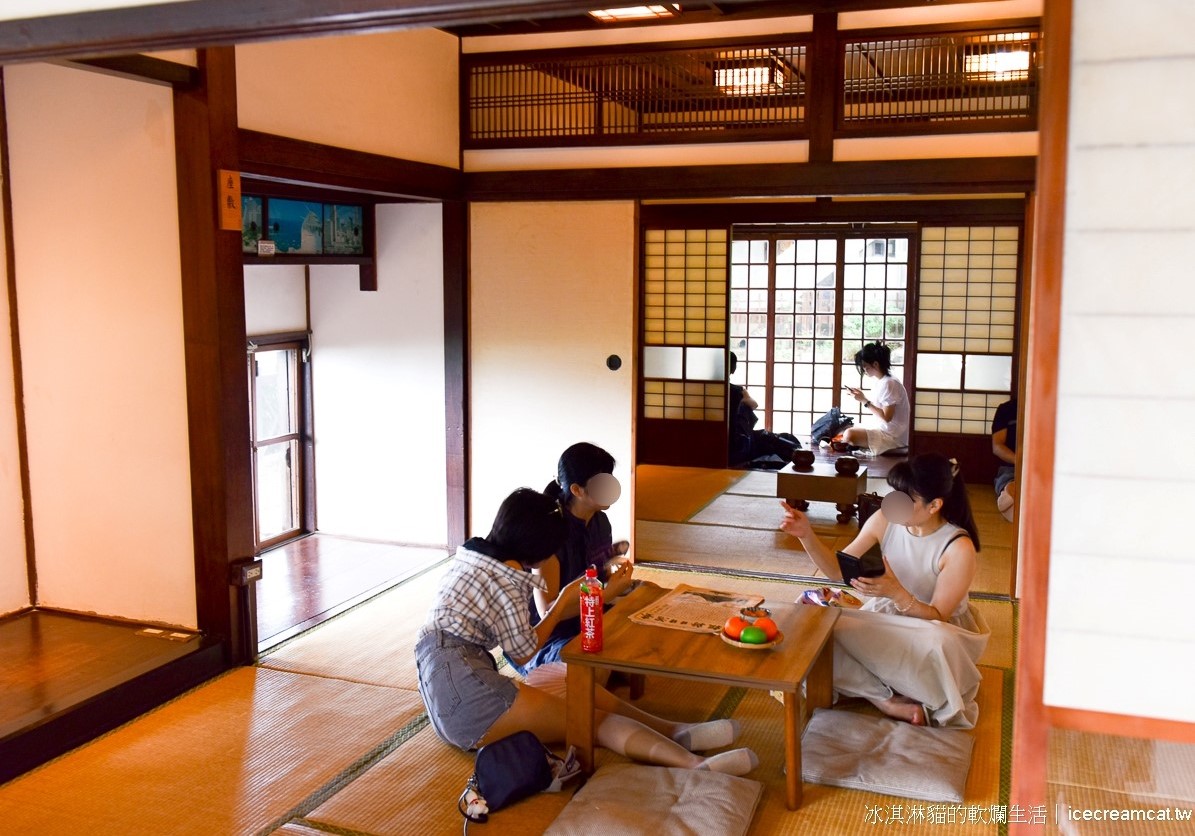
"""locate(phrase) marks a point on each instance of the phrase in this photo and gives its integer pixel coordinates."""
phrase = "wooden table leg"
(846, 512)
(819, 683)
(579, 714)
(792, 749)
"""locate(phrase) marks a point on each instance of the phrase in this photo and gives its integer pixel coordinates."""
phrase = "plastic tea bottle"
(591, 612)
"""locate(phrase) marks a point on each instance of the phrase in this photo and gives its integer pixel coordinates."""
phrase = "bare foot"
(902, 708)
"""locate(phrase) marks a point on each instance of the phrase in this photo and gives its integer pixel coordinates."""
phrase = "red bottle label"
(591, 619)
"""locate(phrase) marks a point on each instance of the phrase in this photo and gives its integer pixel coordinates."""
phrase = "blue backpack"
(829, 425)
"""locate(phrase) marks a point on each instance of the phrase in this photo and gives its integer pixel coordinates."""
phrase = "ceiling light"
(1006, 65)
(752, 76)
(635, 13)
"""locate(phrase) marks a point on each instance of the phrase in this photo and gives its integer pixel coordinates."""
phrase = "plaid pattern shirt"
(483, 600)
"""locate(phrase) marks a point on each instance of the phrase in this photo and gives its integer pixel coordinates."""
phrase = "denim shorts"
(1004, 475)
(461, 687)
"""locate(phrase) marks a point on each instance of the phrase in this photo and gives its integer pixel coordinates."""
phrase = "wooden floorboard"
(310, 580)
(52, 661)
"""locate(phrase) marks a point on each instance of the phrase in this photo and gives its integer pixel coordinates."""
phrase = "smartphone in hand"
(868, 566)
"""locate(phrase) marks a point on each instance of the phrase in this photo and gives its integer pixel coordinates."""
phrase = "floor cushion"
(634, 799)
(865, 752)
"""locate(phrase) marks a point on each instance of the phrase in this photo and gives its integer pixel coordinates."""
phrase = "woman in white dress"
(885, 407)
(912, 649)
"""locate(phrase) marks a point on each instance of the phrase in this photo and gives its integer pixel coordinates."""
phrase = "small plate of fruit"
(751, 633)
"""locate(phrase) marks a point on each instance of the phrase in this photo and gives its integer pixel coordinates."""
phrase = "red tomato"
(734, 625)
(768, 626)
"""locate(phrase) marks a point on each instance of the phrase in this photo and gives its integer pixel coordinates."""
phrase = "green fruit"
(753, 635)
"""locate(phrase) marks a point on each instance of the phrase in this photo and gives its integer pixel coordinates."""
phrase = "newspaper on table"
(694, 609)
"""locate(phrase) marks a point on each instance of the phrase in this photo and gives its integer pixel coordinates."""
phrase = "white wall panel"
(275, 299)
(95, 220)
(378, 384)
(1119, 563)
(552, 296)
(14, 586)
(393, 94)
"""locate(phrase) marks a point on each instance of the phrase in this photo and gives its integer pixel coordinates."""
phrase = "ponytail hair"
(932, 476)
(528, 528)
(877, 353)
(578, 464)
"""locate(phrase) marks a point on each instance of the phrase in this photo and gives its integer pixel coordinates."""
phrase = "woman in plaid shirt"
(482, 604)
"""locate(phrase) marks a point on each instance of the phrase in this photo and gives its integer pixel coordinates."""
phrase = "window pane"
(988, 372)
(873, 327)
(275, 490)
(705, 364)
(275, 417)
(939, 371)
(852, 328)
(662, 361)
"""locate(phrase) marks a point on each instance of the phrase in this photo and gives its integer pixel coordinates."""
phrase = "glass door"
(801, 306)
(275, 389)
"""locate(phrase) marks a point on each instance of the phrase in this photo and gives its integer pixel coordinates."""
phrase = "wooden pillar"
(205, 126)
(822, 111)
(1035, 473)
(456, 367)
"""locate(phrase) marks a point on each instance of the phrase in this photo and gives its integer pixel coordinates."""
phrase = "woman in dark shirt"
(585, 487)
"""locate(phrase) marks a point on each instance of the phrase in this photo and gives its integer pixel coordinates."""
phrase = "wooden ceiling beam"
(204, 23)
(974, 175)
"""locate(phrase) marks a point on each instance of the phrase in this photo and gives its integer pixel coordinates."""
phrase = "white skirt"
(878, 653)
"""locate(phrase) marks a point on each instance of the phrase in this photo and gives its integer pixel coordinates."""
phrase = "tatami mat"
(374, 643)
(721, 547)
(1153, 771)
(233, 756)
(1062, 798)
(674, 494)
(738, 530)
(431, 775)
(834, 812)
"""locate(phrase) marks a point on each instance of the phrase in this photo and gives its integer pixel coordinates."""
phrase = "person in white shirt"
(886, 406)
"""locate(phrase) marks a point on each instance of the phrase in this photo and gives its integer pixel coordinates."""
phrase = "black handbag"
(506, 771)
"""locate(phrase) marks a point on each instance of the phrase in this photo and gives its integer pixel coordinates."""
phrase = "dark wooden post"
(456, 381)
(823, 77)
(205, 126)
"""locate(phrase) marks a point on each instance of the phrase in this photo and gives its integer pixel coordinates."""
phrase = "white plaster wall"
(95, 220)
(552, 295)
(940, 13)
(711, 153)
(13, 9)
(14, 585)
(275, 299)
(378, 387)
(393, 94)
(1128, 310)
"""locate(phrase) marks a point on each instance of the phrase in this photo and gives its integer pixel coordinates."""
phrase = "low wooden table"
(806, 655)
(822, 484)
